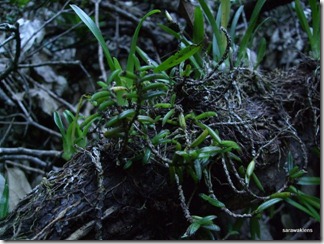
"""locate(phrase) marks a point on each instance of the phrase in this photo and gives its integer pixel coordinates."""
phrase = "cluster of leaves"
(127, 103)
(313, 31)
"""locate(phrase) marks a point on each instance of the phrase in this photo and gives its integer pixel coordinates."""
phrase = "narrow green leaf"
(261, 51)
(198, 169)
(253, 20)
(293, 170)
(226, 8)
(234, 22)
(314, 201)
(130, 60)
(210, 150)
(257, 182)
(127, 113)
(268, 204)
(147, 156)
(88, 122)
(309, 181)
(213, 134)
(192, 229)
(167, 116)
(163, 133)
(96, 32)
(4, 201)
(215, 27)
(255, 228)
(145, 119)
(212, 201)
(152, 94)
(211, 227)
(302, 18)
(302, 208)
(198, 28)
(231, 144)
(208, 218)
(69, 116)
(250, 168)
(59, 123)
(178, 57)
(170, 31)
(206, 115)
(298, 174)
(199, 139)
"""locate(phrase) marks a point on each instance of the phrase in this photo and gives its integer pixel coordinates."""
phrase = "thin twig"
(182, 198)
(25, 167)
(22, 150)
(13, 65)
(46, 23)
(25, 157)
(100, 51)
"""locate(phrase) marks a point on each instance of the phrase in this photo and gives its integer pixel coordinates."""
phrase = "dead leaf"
(44, 100)
(18, 186)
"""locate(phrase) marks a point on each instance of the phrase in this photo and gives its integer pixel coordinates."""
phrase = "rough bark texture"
(269, 114)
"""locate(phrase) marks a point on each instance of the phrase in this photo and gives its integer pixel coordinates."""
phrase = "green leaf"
(298, 174)
(88, 122)
(96, 32)
(261, 51)
(220, 47)
(302, 208)
(267, 204)
(255, 228)
(309, 181)
(192, 229)
(58, 122)
(145, 119)
(302, 18)
(198, 170)
(231, 144)
(170, 31)
(130, 60)
(205, 115)
(213, 134)
(178, 57)
(212, 201)
(290, 162)
(312, 200)
(147, 156)
(145, 57)
(69, 116)
(257, 182)
(234, 22)
(199, 139)
(198, 27)
(167, 116)
(253, 20)
(152, 94)
(209, 151)
(207, 218)
(211, 227)
(126, 114)
(226, 8)
(4, 201)
(250, 168)
(163, 133)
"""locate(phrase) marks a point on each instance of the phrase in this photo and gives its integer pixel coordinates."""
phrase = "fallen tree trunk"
(268, 115)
